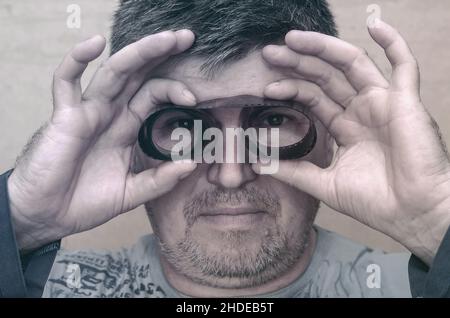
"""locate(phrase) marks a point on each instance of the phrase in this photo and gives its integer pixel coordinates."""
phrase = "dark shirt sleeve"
(26, 275)
(433, 281)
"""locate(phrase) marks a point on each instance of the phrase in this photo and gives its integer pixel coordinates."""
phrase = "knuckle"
(325, 78)
(178, 86)
(58, 72)
(333, 121)
(153, 183)
(359, 56)
(154, 89)
(299, 62)
(361, 52)
(348, 100)
(315, 99)
(107, 70)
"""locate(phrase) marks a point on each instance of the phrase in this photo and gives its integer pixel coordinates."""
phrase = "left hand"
(391, 170)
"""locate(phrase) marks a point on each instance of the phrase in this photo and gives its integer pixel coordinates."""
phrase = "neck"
(190, 288)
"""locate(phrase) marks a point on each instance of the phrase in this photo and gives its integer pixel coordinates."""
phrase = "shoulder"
(103, 273)
(341, 267)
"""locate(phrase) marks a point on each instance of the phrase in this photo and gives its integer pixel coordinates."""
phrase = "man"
(223, 228)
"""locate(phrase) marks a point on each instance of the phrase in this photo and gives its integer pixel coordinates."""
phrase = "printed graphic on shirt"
(83, 274)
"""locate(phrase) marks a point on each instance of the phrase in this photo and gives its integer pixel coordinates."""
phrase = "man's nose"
(230, 175)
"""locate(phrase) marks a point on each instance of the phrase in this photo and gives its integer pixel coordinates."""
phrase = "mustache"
(212, 199)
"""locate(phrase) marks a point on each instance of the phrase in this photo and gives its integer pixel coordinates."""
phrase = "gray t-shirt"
(339, 268)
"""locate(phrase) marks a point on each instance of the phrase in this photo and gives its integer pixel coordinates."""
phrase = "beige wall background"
(34, 37)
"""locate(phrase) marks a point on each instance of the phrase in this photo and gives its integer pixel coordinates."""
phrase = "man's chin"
(237, 222)
(233, 237)
(234, 258)
(228, 242)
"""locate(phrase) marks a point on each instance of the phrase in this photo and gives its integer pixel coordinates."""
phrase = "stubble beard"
(241, 259)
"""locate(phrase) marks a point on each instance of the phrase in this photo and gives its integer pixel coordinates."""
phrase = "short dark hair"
(226, 30)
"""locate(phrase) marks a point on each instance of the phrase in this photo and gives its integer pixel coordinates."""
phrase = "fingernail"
(295, 32)
(273, 85)
(256, 168)
(185, 161)
(188, 164)
(164, 32)
(183, 31)
(162, 35)
(375, 23)
(189, 96)
(273, 49)
(96, 37)
(184, 175)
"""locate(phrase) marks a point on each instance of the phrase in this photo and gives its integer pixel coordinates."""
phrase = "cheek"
(167, 213)
(298, 209)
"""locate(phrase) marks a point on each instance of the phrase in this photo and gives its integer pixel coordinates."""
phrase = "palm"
(97, 192)
(359, 189)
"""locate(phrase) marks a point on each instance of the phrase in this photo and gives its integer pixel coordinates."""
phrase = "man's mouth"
(232, 217)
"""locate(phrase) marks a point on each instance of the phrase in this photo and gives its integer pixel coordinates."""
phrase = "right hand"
(76, 172)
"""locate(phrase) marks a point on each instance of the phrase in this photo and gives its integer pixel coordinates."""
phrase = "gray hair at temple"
(225, 30)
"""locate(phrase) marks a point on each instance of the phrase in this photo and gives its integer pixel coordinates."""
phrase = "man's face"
(224, 225)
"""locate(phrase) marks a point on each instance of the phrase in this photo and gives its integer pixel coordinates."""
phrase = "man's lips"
(230, 211)
(232, 217)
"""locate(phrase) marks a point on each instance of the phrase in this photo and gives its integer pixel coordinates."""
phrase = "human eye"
(180, 122)
(274, 119)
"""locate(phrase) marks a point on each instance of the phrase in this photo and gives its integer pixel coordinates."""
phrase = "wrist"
(30, 233)
(423, 235)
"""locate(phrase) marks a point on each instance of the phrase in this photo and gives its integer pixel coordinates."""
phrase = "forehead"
(247, 76)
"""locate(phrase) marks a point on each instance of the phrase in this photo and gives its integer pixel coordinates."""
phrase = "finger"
(125, 129)
(112, 77)
(185, 39)
(405, 71)
(158, 91)
(331, 80)
(309, 94)
(303, 175)
(152, 183)
(354, 62)
(66, 79)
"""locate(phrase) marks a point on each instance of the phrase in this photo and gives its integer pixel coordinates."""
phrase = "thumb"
(303, 175)
(150, 184)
